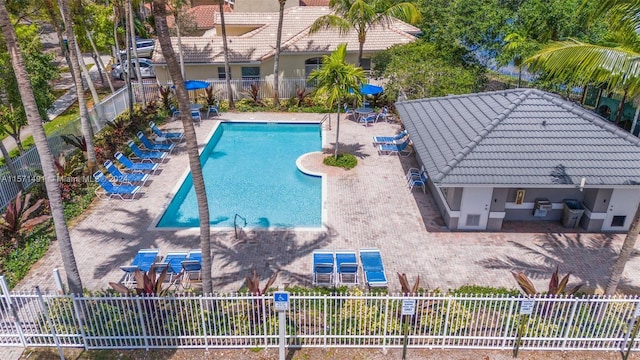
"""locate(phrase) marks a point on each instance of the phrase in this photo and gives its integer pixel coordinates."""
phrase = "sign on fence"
(408, 307)
(281, 300)
(526, 307)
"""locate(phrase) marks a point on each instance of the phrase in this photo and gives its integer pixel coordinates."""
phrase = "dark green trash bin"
(571, 213)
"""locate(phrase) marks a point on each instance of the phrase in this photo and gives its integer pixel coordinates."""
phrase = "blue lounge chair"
(323, 267)
(108, 190)
(125, 178)
(171, 136)
(146, 155)
(154, 146)
(373, 268)
(136, 166)
(377, 140)
(191, 266)
(143, 261)
(395, 149)
(420, 179)
(173, 263)
(346, 267)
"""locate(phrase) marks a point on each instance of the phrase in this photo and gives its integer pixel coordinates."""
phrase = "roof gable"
(518, 137)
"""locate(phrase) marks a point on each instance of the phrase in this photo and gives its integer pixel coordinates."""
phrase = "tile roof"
(518, 137)
(259, 44)
(203, 15)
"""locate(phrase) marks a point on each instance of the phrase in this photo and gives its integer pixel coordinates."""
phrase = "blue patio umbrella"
(195, 85)
(369, 89)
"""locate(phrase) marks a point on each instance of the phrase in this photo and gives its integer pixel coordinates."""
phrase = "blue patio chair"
(125, 178)
(108, 190)
(154, 146)
(401, 149)
(377, 140)
(195, 116)
(373, 268)
(175, 113)
(190, 267)
(173, 261)
(348, 111)
(323, 267)
(418, 180)
(143, 261)
(136, 166)
(214, 109)
(171, 136)
(146, 155)
(346, 267)
(368, 119)
(383, 114)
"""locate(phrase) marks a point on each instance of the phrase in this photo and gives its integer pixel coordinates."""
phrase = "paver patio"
(369, 206)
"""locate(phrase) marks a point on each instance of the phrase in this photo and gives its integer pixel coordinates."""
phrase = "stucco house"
(520, 155)
(252, 41)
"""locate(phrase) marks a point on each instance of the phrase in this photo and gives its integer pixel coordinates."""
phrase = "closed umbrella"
(195, 85)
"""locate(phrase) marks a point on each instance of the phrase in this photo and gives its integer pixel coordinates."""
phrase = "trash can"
(571, 214)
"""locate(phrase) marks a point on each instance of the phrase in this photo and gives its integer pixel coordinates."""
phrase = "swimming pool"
(250, 170)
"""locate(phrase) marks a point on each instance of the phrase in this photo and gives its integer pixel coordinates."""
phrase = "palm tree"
(335, 78)
(276, 60)
(616, 66)
(361, 15)
(162, 30)
(227, 67)
(517, 47)
(42, 146)
(85, 122)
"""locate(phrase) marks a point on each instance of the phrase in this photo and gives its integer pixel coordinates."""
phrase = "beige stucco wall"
(261, 5)
(291, 66)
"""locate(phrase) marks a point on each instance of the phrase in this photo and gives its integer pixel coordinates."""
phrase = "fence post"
(446, 321)
(142, 323)
(264, 321)
(16, 320)
(49, 322)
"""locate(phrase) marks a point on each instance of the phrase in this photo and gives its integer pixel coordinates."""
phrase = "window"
(473, 220)
(311, 64)
(221, 73)
(250, 73)
(618, 221)
(366, 65)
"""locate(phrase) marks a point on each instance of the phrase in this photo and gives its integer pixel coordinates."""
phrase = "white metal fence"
(28, 165)
(354, 320)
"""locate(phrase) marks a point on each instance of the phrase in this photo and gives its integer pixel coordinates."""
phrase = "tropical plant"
(211, 95)
(149, 283)
(362, 15)
(165, 95)
(17, 219)
(301, 94)
(253, 92)
(517, 48)
(335, 78)
(556, 286)
(162, 30)
(46, 159)
(76, 141)
(253, 283)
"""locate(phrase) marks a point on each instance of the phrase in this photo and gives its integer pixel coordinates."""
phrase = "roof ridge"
(481, 135)
(592, 117)
(466, 96)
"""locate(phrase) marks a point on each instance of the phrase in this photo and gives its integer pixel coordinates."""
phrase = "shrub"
(346, 161)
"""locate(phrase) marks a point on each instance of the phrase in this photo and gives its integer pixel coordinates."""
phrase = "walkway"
(369, 206)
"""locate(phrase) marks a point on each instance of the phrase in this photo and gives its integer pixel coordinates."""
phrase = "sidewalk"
(65, 101)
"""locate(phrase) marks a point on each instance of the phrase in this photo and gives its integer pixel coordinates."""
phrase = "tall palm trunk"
(621, 107)
(42, 146)
(99, 61)
(134, 48)
(92, 88)
(162, 30)
(53, 17)
(87, 131)
(127, 76)
(276, 60)
(362, 37)
(227, 67)
(335, 153)
(625, 253)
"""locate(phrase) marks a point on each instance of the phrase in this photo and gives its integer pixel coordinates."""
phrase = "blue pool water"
(250, 169)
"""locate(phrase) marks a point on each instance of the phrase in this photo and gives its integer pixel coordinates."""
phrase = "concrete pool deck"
(369, 206)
